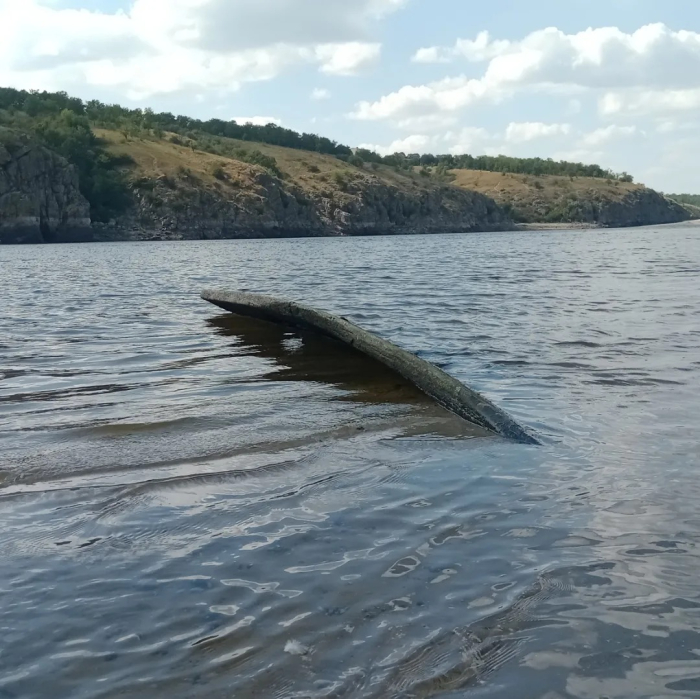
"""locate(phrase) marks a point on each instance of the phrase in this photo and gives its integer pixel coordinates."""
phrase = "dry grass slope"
(544, 198)
(312, 173)
(190, 169)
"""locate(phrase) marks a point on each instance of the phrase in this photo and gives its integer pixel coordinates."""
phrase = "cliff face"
(40, 200)
(572, 200)
(187, 208)
(179, 193)
(639, 208)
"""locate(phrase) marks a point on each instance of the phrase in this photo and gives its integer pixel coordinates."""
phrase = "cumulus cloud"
(466, 140)
(411, 144)
(602, 57)
(608, 133)
(258, 120)
(631, 67)
(347, 59)
(320, 93)
(433, 54)
(471, 139)
(522, 132)
(450, 94)
(160, 46)
(636, 102)
(479, 49)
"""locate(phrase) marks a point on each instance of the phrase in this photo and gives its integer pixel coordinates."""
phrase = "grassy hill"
(205, 186)
(548, 198)
(143, 174)
(225, 163)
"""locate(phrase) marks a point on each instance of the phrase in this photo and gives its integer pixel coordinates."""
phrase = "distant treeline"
(100, 174)
(692, 199)
(113, 116)
(499, 163)
(134, 121)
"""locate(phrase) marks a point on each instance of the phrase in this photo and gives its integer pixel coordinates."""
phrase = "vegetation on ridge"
(101, 176)
(546, 199)
(691, 199)
(132, 156)
(136, 122)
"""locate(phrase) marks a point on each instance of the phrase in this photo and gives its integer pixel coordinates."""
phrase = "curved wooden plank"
(441, 387)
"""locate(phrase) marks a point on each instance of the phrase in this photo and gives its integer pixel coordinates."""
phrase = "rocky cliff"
(187, 207)
(181, 199)
(178, 192)
(40, 200)
(575, 200)
(637, 208)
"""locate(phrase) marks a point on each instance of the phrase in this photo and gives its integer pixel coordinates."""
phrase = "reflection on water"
(197, 504)
(305, 356)
(308, 357)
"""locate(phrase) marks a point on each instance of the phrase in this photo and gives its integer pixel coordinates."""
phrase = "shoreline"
(577, 226)
(580, 226)
(110, 235)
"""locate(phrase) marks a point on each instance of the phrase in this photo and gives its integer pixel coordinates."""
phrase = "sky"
(616, 82)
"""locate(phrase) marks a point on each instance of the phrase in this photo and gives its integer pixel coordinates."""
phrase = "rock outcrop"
(216, 198)
(40, 199)
(574, 201)
(640, 207)
(270, 207)
(637, 207)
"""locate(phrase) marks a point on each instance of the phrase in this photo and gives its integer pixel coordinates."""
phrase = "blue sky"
(614, 81)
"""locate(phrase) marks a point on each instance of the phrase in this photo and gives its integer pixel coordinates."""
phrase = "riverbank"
(177, 191)
(555, 226)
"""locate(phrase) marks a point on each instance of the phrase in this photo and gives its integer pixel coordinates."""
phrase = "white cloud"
(522, 132)
(652, 58)
(467, 140)
(320, 93)
(643, 102)
(479, 49)
(676, 126)
(235, 25)
(471, 139)
(258, 120)
(411, 101)
(602, 57)
(608, 133)
(411, 144)
(428, 122)
(161, 46)
(347, 59)
(433, 54)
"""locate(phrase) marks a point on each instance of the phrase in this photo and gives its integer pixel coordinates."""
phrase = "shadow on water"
(306, 356)
(301, 356)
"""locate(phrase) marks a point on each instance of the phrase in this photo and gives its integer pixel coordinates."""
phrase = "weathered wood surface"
(441, 387)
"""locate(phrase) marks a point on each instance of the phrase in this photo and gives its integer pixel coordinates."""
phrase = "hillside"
(179, 191)
(74, 171)
(566, 200)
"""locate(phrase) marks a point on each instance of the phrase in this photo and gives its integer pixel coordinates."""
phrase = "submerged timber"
(441, 387)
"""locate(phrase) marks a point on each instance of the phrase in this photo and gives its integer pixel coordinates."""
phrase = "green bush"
(218, 172)
(340, 179)
(102, 179)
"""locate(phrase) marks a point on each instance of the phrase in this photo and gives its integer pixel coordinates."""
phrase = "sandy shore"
(589, 226)
(554, 226)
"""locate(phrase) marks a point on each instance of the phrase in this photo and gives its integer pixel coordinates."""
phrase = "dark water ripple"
(194, 505)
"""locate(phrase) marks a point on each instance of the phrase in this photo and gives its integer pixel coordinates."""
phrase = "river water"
(197, 505)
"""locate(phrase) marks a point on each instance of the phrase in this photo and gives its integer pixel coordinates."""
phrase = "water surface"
(194, 504)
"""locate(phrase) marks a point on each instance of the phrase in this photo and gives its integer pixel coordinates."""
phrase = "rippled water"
(192, 504)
